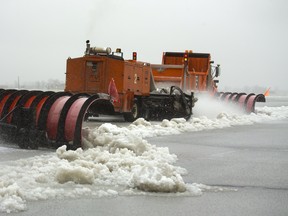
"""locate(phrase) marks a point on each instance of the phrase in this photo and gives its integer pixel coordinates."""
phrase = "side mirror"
(217, 70)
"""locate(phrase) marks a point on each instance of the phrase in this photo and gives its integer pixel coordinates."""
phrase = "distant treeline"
(51, 84)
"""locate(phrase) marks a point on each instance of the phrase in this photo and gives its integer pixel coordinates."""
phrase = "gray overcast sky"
(247, 37)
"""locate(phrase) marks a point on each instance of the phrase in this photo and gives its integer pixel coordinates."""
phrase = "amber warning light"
(185, 57)
(134, 56)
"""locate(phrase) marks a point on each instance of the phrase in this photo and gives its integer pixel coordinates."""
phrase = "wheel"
(22, 139)
(23, 142)
(33, 140)
(134, 114)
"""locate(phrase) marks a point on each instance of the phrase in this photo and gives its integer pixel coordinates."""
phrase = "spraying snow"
(117, 160)
(210, 106)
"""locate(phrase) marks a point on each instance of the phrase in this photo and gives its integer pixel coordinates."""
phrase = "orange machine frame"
(194, 75)
(93, 74)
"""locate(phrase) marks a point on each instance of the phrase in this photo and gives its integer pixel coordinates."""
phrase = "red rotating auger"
(245, 101)
(36, 118)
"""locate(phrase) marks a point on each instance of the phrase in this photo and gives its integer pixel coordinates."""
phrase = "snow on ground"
(118, 160)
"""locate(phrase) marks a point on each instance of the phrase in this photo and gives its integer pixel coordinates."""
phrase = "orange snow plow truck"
(102, 83)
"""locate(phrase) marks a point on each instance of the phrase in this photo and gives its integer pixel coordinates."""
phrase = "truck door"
(94, 76)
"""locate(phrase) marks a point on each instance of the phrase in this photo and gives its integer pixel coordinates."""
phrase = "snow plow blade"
(245, 101)
(48, 119)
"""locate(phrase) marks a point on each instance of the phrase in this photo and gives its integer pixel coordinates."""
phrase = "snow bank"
(141, 129)
(120, 164)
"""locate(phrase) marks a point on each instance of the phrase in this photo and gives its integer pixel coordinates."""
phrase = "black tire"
(23, 143)
(33, 140)
(134, 114)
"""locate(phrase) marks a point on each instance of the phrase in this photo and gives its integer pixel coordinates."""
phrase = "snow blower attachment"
(102, 82)
(36, 118)
(245, 101)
